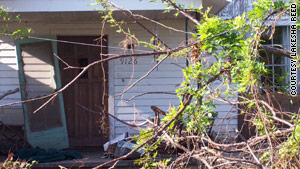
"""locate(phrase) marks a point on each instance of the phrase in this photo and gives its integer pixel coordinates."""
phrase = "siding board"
(8, 60)
(8, 67)
(7, 52)
(15, 96)
(150, 60)
(12, 116)
(150, 81)
(142, 68)
(8, 81)
(156, 102)
(8, 74)
(5, 46)
(162, 74)
(153, 88)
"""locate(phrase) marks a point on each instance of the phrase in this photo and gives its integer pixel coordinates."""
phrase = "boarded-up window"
(39, 76)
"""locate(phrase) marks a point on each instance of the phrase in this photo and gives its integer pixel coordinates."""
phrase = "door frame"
(52, 131)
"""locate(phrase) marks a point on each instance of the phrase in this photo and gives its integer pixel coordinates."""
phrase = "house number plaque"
(128, 61)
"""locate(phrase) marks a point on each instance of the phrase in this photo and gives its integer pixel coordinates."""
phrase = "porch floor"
(90, 159)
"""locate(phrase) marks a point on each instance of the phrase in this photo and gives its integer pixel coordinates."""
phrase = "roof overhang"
(85, 5)
(216, 5)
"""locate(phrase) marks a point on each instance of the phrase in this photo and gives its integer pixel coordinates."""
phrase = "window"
(277, 65)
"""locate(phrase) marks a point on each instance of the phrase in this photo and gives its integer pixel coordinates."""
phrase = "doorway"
(87, 96)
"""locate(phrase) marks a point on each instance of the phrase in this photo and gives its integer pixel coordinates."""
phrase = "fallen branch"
(251, 151)
(162, 129)
(152, 137)
(277, 51)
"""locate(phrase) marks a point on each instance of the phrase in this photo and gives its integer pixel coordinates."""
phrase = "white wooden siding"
(167, 77)
(38, 64)
(9, 80)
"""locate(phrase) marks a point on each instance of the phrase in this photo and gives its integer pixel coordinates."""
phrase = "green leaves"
(261, 9)
(5, 18)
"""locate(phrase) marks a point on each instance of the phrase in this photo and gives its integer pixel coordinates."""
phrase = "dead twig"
(183, 12)
(10, 92)
(142, 94)
(114, 165)
(116, 118)
(65, 63)
(165, 26)
(139, 23)
(250, 150)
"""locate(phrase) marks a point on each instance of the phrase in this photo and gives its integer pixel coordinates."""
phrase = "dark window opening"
(82, 62)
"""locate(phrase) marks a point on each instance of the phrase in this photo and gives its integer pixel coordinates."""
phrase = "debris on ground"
(120, 146)
(44, 156)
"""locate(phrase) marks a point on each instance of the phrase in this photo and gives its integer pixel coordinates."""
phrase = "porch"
(86, 24)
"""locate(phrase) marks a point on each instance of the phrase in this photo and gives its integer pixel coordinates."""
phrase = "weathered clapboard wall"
(166, 77)
(9, 81)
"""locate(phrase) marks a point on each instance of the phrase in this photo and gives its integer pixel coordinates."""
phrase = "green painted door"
(39, 76)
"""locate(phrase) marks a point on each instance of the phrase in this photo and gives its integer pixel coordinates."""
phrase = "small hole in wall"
(82, 63)
(130, 46)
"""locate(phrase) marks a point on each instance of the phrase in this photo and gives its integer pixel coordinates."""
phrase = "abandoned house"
(68, 29)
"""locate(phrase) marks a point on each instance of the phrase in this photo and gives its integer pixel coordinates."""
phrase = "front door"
(87, 97)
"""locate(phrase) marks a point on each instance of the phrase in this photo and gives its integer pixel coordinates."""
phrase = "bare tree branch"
(116, 118)
(142, 94)
(183, 12)
(139, 23)
(10, 92)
